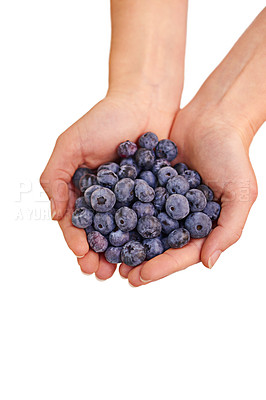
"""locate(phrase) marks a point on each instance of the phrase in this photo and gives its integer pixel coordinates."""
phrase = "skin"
(213, 132)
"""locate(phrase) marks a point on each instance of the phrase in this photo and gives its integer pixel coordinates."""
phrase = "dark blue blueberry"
(97, 242)
(143, 191)
(164, 174)
(177, 185)
(82, 217)
(124, 190)
(80, 202)
(149, 227)
(103, 200)
(193, 178)
(160, 198)
(212, 209)
(104, 223)
(78, 174)
(160, 163)
(126, 219)
(180, 167)
(118, 237)
(166, 149)
(89, 229)
(177, 206)
(197, 200)
(198, 224)
(88, 192)
(130, 161)
(113, 255)
(165, 243)
(208, 193)
(86, 181)
(143, 209)
(153, 247)
(168, 223)
(109, 165)
(127, 171)
(148, 177)
(106, 177)
(134, 235)
(133, 253)
(178, 238)
(145, 158)
(148, 140)
(127, 149)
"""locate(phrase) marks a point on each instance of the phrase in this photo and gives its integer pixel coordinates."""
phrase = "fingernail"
(123, 277)
(81, 256)
(53, 210)
(131, 285)
(213, 258)
(143, 280)
(99, 279)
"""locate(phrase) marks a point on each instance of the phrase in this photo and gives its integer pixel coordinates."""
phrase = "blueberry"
(177, 185)
(124, 190)
(148, 177)
(168, 223)
(113, 255)
(160, 198)
(148, 140)
(109, 165)
(207, 191)
(89, 229)
(118, 237)
(198, 224)
(104, 223)
(82, 217)
(143, 191)
(153, 247)
(142, 209)
(88, 192)
(197, 200)
(126, 219)
(133, 253)
(160, 163)
(212, 209)
(193, 178)
(166, 149)
(103, 200)
(178, 238)
(127, 171)
(127, 149)
(177, 206)
(78, 174)
(97, 242)
(149, 227)
(107, 178)
(80, 202)
(130, 161)
(164, 174)
(165, 243)
(86, 181)
(180, 167)
(134, 235)
(145, 158)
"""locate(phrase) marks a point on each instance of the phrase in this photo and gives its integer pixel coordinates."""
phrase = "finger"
(76, 238)
(105, 270)
(124, 270)
(89, 264)
(171, 261)
(236, 204)
(65, 159)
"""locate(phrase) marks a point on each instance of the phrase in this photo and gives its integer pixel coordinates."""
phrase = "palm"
(219, 154)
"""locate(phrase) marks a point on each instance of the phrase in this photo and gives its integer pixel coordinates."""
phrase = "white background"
(198, 334)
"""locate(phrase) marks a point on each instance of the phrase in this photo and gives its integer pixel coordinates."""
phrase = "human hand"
(91, 141)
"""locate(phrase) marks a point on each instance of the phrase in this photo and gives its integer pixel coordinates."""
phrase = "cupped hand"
(215, 146)
(91, 141)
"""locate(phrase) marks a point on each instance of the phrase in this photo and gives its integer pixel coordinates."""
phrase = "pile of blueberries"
(138, 208)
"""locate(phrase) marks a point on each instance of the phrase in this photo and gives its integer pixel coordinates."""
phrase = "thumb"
(65, 159)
